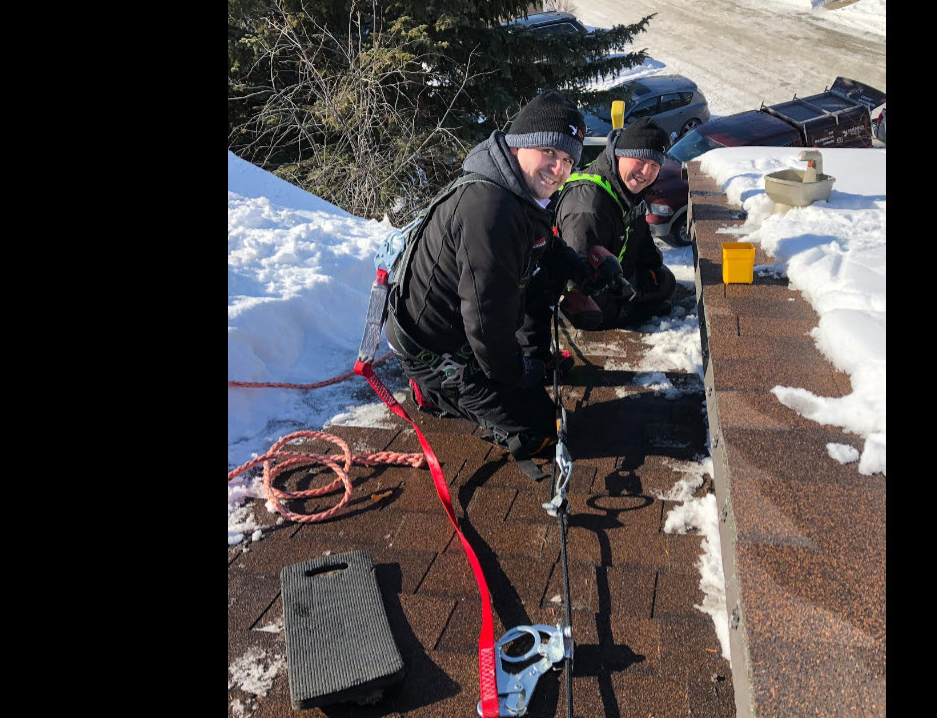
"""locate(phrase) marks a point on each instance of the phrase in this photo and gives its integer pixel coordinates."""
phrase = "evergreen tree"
(373, 104)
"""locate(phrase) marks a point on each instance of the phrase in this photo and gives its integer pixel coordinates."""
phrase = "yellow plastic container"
(738, 262)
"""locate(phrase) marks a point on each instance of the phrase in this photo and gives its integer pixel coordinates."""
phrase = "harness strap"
(601, 182)
(414, 231)
(463, 355)
(488, 681)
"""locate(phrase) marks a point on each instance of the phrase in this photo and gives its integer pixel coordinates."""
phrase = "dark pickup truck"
(836, 117)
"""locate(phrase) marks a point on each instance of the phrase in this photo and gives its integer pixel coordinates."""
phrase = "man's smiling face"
(637, 173)
(544, 168)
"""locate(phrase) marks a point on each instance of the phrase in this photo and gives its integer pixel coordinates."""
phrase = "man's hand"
(607, 270)
(607, 274)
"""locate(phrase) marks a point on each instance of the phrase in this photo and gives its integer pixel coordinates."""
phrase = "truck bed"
(837, 117)
(847, 127)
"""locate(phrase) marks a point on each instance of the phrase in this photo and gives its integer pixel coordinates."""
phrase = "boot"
(581, 310)
(661, 308)
(522, 447)
(632, 314)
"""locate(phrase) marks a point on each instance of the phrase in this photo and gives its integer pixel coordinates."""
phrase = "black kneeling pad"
(339, 646)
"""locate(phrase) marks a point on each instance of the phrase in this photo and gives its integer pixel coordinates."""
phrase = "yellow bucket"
(738, 262)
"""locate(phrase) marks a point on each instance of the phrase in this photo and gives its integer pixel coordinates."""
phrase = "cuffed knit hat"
(548, 120)
(643, 139)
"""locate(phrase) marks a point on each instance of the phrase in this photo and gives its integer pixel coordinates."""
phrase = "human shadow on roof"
(606, 657)
(637, 425)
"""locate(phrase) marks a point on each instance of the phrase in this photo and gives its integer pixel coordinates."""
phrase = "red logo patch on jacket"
(542, 242)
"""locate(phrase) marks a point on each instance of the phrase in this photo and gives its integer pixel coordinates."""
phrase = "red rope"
(275, 462)
(317, 385)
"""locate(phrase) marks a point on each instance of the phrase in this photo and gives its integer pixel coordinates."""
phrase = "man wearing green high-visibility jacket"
(603, 204)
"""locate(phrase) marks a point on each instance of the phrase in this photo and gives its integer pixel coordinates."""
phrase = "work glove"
(532, 370)
(590, 280)
(608, 272)
(608, 276)
(612, 279)
(580, 273)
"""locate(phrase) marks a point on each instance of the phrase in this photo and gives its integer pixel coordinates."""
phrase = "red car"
(880, 126)
(837, 117)
(667, 198)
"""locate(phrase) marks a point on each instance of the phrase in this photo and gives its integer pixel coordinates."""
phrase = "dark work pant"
(542, 293)
(529, 414)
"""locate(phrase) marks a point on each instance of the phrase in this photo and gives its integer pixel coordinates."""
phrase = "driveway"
(745, 52)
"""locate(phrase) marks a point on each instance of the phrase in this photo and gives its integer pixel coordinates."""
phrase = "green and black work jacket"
(600, 210)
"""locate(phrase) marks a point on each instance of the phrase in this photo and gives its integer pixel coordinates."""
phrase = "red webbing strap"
(486, 638)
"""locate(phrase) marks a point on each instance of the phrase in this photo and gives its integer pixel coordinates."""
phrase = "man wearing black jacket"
(455, 325)
(604, 204)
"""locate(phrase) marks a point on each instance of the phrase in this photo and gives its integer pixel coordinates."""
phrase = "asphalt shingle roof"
(803, 537)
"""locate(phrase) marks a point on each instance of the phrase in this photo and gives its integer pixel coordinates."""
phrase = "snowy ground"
(745, 52)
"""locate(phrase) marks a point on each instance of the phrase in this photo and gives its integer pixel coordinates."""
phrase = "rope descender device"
(553, 644)
(564, 463)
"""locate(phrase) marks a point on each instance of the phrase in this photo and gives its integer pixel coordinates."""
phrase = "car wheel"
(689, 125)
(678, 236)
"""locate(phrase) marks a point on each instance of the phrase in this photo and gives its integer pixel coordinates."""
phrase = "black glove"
(532, 370)
(608, 272)
(580, 272)
(609, 277)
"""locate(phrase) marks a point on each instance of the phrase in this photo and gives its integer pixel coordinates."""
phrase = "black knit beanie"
(548, 120)
(643, 139)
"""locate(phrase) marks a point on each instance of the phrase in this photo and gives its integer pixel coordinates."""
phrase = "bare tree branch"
(349, 109)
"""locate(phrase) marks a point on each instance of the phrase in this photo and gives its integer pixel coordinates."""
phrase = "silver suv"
(675, 102)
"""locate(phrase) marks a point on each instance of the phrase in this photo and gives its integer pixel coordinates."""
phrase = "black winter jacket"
(586, 214)
(478, 251)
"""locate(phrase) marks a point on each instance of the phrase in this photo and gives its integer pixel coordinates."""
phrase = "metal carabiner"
(516, 689)
(564, 464)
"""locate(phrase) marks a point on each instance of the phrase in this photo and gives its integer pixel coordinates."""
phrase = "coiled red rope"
(276, 462)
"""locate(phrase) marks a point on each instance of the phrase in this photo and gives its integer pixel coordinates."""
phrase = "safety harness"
(396, 253)
(628, 216)
(455, 367)
(503, 692)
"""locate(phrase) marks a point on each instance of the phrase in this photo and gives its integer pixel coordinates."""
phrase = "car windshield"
(691, 146)
(629, 92)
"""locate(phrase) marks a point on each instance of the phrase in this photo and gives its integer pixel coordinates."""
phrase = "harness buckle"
(452, 370)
